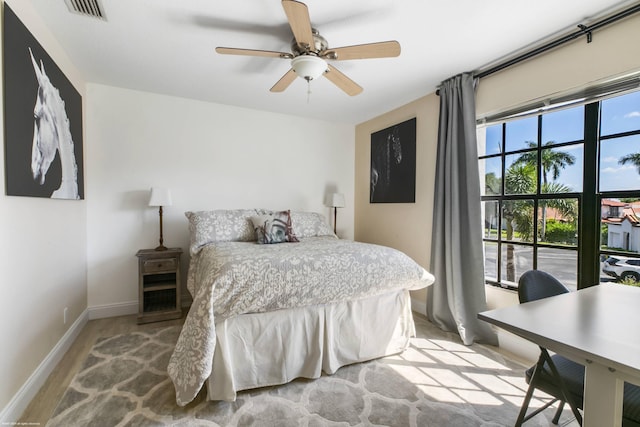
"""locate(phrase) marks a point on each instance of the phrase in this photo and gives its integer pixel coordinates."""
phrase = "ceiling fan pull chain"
(308, 90)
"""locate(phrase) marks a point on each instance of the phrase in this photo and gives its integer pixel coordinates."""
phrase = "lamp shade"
(336, 200)
(308, 67)
(160, 197)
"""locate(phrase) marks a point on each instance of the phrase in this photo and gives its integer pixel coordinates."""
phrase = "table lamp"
(336, 201)
(160, 197)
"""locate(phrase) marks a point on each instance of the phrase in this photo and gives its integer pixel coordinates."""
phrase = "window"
(561, 191)
(619, 182)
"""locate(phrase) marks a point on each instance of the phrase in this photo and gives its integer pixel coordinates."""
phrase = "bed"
(265, 314)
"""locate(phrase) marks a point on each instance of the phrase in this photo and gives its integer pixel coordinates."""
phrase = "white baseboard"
(113, 310)
(16, 406)
(419, 306)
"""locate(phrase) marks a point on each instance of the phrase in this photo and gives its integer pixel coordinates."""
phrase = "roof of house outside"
(611, 202)
(630, 212)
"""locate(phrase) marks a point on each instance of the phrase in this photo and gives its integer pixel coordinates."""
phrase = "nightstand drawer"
(159, 265)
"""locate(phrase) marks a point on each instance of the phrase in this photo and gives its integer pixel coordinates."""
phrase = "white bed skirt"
(264, 349)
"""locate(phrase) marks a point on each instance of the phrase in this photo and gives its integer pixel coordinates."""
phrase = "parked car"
(622, 268)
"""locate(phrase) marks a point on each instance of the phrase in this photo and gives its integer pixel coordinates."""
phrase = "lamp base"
(161, 248)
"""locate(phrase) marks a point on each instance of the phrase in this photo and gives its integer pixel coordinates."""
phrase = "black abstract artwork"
(393, 164)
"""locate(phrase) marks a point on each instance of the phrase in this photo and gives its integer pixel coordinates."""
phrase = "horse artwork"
(51, 132)
(42, 120)
(393, 164)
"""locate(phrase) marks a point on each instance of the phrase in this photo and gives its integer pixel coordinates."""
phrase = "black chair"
(558, 376)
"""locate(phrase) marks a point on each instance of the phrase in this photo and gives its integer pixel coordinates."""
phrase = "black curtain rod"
(584, 30)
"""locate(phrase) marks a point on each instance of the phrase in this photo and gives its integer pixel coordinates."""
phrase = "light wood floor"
(44, 403)
(42, 406)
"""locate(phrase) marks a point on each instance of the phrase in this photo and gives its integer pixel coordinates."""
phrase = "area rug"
(436, 382)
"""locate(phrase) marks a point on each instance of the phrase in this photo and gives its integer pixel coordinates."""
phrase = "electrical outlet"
(65, 313)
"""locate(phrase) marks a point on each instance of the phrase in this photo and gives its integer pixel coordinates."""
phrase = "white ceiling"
(167, 46)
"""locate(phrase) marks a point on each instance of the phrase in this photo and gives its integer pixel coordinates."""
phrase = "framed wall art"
(42, 120)
(393, 164)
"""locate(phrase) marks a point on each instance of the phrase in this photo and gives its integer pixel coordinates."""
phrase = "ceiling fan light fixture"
(308, 67)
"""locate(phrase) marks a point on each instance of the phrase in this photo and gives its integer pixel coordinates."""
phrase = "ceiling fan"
(310, 52)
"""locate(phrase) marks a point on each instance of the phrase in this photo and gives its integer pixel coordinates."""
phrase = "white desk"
(598, 327)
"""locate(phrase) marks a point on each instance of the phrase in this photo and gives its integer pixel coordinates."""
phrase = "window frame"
(535, 197)
(589, 248)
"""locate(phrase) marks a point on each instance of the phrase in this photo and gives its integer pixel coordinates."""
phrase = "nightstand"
(158, 285)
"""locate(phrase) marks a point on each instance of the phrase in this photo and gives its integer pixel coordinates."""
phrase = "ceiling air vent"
(87, 8)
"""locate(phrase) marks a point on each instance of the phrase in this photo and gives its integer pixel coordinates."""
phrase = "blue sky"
(619, 114)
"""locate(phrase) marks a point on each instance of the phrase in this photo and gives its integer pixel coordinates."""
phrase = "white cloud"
(618, 169)
(632, 115)
(610, 160)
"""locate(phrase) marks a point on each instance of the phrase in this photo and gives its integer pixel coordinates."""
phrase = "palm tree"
(493, 186)
(519, 179)
(633, 158)
(551, 161)
(492, 183)
(518, 214)
(567, 208)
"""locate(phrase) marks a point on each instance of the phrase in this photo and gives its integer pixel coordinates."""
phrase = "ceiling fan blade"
(284, 81)
(386, 49)
(350, 87)
(253, 52)
(298, 17)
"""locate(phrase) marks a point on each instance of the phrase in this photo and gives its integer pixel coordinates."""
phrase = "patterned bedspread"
(231, 278)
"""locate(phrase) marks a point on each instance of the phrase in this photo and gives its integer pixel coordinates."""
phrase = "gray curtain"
(457, 295)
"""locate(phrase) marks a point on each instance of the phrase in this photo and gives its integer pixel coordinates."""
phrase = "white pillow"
(310, 224)
(220, 226)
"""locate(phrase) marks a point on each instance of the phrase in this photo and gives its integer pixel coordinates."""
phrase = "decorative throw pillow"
(273, 228)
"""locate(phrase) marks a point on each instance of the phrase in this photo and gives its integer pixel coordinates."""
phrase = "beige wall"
(42, 259)
(404, 226)
(614, 51)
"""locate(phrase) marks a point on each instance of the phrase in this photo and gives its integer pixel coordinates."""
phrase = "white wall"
(211, 157)
(42, 260)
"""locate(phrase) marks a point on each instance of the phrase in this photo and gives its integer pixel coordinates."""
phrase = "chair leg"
(525, 404)
(556, 417)
(527, 398)
(563, 387)
(522, 416)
